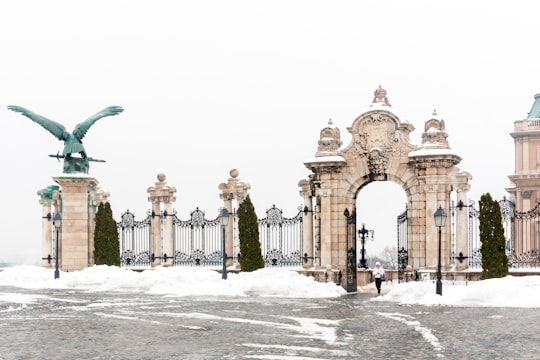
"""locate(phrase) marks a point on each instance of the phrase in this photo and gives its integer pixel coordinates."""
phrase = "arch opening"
(378, 204)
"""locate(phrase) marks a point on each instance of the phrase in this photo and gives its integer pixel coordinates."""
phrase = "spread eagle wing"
(53, 127)
(82, 128)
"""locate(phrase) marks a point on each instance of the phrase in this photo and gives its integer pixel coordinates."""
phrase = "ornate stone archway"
(380, 150)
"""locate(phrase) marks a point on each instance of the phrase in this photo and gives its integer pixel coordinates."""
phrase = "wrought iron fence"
(474, 255)
(281, 238)
(197, 241)
(521, 231)
(135, 240)
(403, 253)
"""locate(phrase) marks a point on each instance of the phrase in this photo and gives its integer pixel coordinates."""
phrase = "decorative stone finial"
(330, 122)
(380, 96)
(161, 192)
(434, 135)
(234, 188)
(329, 141)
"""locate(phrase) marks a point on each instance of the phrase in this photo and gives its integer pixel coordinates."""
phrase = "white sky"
(208, 86)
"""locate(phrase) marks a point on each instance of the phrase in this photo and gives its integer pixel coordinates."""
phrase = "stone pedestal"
(76, 241)
(162, 193)
(47, 197)
(233, 189)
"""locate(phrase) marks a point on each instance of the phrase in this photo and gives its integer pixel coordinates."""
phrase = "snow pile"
(176, 281)
(510, 291)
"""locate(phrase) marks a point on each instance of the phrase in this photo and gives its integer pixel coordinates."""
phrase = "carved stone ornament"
(379, 127)
(377, 162)
(234, 188)
(330, 141)
(380, 96)
(434, 132)
(377, 130)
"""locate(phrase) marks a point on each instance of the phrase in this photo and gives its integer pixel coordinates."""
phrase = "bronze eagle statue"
(72, 141)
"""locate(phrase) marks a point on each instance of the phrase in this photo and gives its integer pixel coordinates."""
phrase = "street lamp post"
(363, 232)
(57, 222)
(440, 218)
(223, 220)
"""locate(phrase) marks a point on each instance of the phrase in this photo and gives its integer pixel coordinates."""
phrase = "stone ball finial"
(161, 177)
(234, 173)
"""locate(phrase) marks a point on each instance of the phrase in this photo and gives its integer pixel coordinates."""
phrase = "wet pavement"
(65, 324)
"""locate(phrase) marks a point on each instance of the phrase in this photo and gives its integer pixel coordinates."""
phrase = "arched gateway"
(380, 150)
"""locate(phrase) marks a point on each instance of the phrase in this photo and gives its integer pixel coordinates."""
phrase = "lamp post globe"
(57, 223)
(363, 232)
(440, 218)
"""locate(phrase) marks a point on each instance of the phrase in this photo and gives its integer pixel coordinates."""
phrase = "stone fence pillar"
(76, 234)
(233, 189)
(307, 250)
(46, 202)
(158, 194)
(462, 226)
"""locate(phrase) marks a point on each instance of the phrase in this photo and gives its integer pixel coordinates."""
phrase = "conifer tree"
(248, 232)
(494, 259)
(106, 243)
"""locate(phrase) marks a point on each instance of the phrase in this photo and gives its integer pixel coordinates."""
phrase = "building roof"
(535, 110)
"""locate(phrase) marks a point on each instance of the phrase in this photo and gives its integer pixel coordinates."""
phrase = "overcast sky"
(208, 86)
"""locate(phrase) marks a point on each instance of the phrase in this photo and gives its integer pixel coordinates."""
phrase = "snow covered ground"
(511, 291)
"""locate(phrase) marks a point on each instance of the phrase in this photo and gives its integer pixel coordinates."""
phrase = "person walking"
(378, 274)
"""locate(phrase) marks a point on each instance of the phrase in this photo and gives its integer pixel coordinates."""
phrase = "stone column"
(46, 201)
(326, 223)
(155, 226)
(233, 189)
(168, 232)
(162, 193)
(229, 230)
(416, 226)
(76, 235)
(462, 227)
(307, 250)
(432, 231)
(57, 209)
(46, 234)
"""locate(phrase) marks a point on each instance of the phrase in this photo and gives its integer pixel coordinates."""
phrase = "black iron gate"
(197, 241)
(135, 240)
(522, 233)
(281, 238)
(403, 253)
(351, 284)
